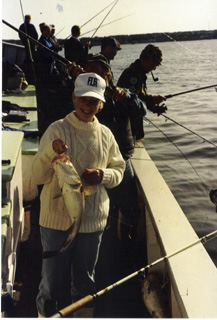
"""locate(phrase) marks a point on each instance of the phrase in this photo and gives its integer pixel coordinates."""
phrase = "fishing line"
(185, 157)
(170, 140)
(119, 221)
(93, 17)
(108, 23)
(104, 19)
(97, 14)
(181, 45)
(196, 134)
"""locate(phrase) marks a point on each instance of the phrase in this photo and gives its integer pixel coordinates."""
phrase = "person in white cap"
(95, 155)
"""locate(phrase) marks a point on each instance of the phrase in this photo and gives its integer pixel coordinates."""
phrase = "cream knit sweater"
(91, 145)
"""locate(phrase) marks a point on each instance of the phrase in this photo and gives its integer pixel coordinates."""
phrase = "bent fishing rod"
(143, 271)
(184, 92)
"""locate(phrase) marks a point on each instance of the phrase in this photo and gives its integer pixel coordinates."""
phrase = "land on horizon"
(150, 37)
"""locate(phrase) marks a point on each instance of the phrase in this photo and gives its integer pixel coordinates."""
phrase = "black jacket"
(122, 118)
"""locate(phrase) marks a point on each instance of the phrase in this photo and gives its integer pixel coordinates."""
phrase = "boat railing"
(17, 182)
(192, 274)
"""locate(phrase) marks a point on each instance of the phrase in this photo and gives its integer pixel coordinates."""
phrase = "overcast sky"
(134, 16)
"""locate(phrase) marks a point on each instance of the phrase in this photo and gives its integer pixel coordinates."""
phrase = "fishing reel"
(74, 70)
(159, 109)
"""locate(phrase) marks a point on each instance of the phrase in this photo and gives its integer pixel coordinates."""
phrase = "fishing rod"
(97, 14)
(93, 17)
(29, 48)
(59, 31)
(48, 51)
(104, 18)
(184, 92)
(106, 24)
(82, 302)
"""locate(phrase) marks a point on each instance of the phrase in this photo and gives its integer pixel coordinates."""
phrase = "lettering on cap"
(92, 82)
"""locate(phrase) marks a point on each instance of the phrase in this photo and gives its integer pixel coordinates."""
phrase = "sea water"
(187, 162)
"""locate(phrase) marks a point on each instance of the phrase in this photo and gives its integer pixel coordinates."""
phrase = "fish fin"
(89, 190)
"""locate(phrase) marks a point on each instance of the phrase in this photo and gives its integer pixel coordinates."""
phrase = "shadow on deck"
(116, 260)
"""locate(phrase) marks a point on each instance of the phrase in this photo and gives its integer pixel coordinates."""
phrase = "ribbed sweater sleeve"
(114, 170)
(41, 169)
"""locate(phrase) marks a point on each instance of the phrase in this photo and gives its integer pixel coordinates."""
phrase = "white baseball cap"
(90, 85)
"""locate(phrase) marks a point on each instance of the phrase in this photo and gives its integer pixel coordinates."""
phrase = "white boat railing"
(192, 274)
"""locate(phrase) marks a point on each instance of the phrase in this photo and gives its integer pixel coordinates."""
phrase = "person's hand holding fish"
(93, 176)
(59, 146)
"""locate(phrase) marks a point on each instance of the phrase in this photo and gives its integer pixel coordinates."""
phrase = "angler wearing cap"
(134, 78)
(95, 155)
(109, 48)
(56, 45)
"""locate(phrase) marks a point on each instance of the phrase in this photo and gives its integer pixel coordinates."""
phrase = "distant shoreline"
(150, 37)
(161, 37)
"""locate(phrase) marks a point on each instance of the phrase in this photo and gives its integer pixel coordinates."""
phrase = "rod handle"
(74, 306)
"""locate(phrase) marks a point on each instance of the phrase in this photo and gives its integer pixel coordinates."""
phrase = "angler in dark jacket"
(29, 28)
(46, 63)
(121, 115)
(74, 50)
(134, 78)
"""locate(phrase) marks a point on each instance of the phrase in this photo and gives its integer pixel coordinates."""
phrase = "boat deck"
(117, 259)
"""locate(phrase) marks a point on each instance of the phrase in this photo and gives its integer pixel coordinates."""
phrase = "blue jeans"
(124, 197)
(79, 258)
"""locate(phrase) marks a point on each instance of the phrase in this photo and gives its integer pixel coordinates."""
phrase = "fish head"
(65, 171)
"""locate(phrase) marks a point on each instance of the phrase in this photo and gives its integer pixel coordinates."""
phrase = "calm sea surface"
(187, 163)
